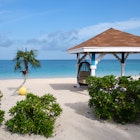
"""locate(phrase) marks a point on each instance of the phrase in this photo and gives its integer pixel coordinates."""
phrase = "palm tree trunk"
(25, 78)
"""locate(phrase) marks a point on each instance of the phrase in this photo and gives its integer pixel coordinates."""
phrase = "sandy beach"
(76, 121)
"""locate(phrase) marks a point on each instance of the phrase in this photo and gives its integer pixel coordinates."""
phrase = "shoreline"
(65, 77)
(60, 69)
(50, 78)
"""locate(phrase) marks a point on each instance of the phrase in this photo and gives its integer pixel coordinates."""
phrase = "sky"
(54, 26)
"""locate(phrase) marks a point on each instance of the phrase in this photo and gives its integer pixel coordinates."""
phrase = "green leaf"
(34, 115)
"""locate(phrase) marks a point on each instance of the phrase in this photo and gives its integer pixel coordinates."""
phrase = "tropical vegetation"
(115, 98)
(1, 111)
(24, 59)
(34, 115)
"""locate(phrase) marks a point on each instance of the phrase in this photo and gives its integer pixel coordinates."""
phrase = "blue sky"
(53, 26)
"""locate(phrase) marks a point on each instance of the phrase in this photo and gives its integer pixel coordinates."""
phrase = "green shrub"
(115, 98)
(1, 111)
(34, 115)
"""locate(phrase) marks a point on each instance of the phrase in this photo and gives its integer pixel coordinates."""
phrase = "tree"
(23, 60)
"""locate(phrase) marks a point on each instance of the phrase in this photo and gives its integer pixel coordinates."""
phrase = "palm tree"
(23, 59)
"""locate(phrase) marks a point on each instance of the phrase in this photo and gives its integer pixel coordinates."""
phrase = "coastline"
(67, 68)
(76, 121)
(59, 77)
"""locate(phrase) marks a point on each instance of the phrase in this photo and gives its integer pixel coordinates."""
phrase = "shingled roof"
(110, 38)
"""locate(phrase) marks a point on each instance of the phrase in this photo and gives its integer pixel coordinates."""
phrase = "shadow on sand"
(70, 87)
(83, 109)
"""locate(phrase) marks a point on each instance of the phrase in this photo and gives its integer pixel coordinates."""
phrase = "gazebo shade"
(111, 40)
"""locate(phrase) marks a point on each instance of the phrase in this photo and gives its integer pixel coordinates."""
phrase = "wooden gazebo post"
(122, 61)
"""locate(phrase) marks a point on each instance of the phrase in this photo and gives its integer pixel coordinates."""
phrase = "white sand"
(76, 122)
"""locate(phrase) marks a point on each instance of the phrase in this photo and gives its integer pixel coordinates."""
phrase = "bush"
(115, 98)
(34, 115)
(1, 111)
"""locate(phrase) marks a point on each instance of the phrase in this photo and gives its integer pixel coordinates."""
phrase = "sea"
(67, 68)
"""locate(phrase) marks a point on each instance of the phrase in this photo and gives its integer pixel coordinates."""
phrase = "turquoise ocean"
(67, 68)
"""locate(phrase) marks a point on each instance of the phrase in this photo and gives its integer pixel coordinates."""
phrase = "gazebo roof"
(109, 41)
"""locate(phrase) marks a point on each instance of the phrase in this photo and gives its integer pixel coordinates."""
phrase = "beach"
(76, 121)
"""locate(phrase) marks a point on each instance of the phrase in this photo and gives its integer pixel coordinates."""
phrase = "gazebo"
(111, 41)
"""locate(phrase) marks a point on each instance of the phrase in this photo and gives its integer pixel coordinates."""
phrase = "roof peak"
(111, 38)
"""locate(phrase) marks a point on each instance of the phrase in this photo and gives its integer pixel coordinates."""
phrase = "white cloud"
(55, 41)
(93, 30)
(64, 40)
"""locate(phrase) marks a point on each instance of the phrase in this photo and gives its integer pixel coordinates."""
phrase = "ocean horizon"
(67, 68)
